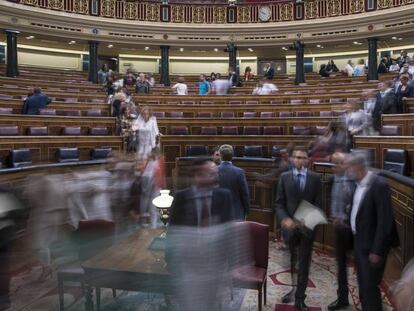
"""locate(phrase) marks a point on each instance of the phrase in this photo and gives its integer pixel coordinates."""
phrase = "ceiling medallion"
(370, 27)
(165, 36)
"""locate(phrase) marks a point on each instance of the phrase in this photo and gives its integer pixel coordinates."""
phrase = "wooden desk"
(130, 266)
(404, 121)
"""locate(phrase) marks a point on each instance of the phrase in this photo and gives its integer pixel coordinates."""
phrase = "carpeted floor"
(28, 294)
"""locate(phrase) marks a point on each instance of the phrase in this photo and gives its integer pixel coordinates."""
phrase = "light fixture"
(400, 39)
(30, 37)
(356, 42)
(215, 49)
(394, 38)
(181, 49)
(232, 2)
(163, 202)
(110, 46)
(284, 48)
(318, 45)
(147, 48)
(250, 49)
(72, 42)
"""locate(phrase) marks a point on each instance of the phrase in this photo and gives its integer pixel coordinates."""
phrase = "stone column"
(372, 59)
(165, 65)
(93, 61)
(300, 70)
(12, 65)
(232, 50)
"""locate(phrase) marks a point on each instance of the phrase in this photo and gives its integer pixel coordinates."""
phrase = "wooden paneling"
(56, 123)
(405, 121)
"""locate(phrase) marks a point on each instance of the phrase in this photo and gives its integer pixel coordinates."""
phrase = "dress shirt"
(341, 198)
(302, 172)
(369, 105)
(386, 92)
(202, 197)
(181, 88)
(395, 67)
(362, 187)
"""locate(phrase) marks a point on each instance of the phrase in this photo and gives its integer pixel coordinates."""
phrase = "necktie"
(299, 182)
(205, 214)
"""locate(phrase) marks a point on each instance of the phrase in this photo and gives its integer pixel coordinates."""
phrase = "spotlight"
(110, 46)
(30, 37)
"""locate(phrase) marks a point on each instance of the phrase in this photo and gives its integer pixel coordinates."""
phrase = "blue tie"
(299, 182)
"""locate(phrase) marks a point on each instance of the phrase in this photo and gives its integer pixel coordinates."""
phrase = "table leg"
(88, 298)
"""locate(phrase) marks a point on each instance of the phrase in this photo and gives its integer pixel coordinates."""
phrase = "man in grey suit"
(295, 186)
(233, 178)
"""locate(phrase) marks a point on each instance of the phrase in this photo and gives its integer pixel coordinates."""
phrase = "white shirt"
(265, 89)
(221, 86)
(395, 67)
(349, 70)
(411, 69)
(359, 194)
(181, 88)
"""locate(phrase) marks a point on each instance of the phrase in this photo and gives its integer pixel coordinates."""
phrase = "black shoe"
(338, 304)
(300, 305)
(288, 298)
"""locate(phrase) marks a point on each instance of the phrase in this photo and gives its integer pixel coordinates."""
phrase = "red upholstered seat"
(252, 102)
(230, 130)
(248, 114)
(272, 130)
(337, 113)
(297, 101)
(303, 114)
(285, 114)
(72, 113)
(37, 130)
(266, 114)
(391, 130)
(159, 114)
(205, 114)
(173, 103)
(227, 114)
(71, 130)
(326, 113)
(47, 112)
(206, 102)
(98, 131)
(315, 101)
(6, 110)
(302, 130)
(336, 100)
(208, 130)
(276, 102)
(188, 102)
(249, 276)
(251, 130)
(235, 102)
(320, 130)
(410, 110)
(179, 130)
(153, 102)
(176, 114)
(9, 130)
(94, 112)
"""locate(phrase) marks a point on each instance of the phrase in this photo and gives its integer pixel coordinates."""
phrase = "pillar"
(372, 59)
(93, 61)
(232, 50)
(300, 70)
(12, 65)
(165, 63)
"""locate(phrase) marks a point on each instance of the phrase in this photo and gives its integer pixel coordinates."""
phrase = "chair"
(336, 100)
(72, 113)
(227, 114)
(253, 151)
(206, 102)
(252, 102)
(314, 101)
(369, 154)
(410, 110)
(98, 131)
(390, 130)
(337, 113)
(276, 102)
(272, 130)
(93, 113)
(396, 160)
(71, 100)
(208, 130)
(303, 114)
(20, 157)
(302, 130)
(159, 114)
(235, 102)
(6, 110)
(251, 130)
(285, 114)
(196, 151)
(297, 101)
(326, 113)
(100, 153)
(187, 102)
(230, 130)
(91, 236)
(176, 114)
(64, 155)
(37, 130)
(248, 114)
(320, 130)
(12, 130)
(179, 130)
(47, 112)
(205, 114)
(266, 114)
(71, 130)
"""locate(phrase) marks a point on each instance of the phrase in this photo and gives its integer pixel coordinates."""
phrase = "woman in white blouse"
(147, 132)
(180, 87)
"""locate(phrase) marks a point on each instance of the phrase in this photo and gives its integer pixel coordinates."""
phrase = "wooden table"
(128, 265)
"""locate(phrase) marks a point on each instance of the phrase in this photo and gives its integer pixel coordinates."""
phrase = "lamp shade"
(164, 200)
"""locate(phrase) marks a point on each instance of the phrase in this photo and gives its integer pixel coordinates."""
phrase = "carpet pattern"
(29, 294)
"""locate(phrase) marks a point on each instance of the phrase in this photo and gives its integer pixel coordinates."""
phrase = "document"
(310, 215)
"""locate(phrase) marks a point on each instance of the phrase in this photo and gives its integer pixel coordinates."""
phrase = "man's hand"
(289, 224)
(375, 260)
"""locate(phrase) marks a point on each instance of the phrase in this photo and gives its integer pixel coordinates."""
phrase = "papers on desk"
(310, 215)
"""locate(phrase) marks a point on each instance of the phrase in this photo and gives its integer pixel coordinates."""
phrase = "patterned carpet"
(30, 294)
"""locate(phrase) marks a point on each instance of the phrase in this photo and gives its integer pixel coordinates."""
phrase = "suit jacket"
(375, 226)
(34, 103)
(288, 197)
(385, 105)
(233, 178)
(270, 73)
(183, 211)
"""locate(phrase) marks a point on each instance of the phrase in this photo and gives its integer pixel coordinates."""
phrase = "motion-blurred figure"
(402, 290)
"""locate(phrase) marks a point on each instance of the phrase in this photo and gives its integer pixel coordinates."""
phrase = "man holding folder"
(296, 186)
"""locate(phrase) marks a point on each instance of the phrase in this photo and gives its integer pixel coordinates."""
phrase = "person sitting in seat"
(37, 101)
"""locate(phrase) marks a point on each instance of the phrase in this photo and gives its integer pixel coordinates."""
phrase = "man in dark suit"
(269, 72)
(372, 223)
(386, 103)
(233, 178)
(295, 186)
(37, 101)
